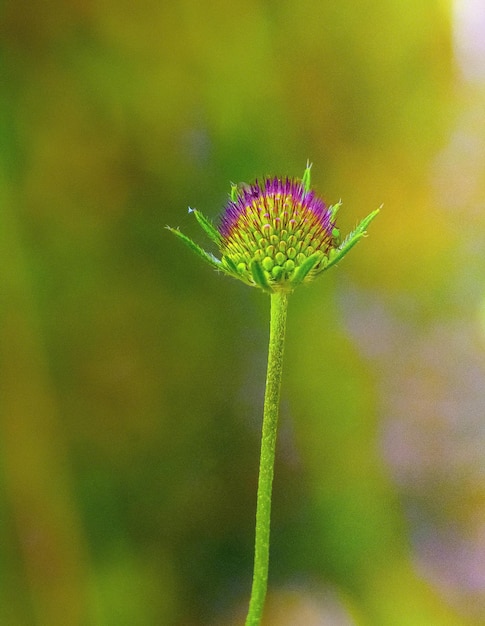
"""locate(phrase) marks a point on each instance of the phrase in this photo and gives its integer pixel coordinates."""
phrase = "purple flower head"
(276, 234)
(279, 224)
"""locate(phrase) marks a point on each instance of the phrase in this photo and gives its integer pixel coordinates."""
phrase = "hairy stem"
(279, 306)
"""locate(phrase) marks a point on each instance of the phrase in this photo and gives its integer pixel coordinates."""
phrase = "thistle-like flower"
(276, 234)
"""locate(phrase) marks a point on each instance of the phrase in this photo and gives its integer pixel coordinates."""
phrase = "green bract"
(276, 234)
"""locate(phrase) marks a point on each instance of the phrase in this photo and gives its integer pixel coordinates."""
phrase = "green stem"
(279, 306)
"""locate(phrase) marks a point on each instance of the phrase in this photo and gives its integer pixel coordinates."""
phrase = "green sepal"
(301, 272)
(207, 226)
(334, 209)
(306, 180)
(238, 190)
(206, 256)
(259, 276)
(231, 267)
(349, 242)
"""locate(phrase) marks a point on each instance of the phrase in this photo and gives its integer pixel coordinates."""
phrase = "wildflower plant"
(274, 235)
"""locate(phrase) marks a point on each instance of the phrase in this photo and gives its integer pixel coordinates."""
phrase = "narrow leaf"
(334, 208)
(350, 241)
(207, 226)
(306, 180)
(206, 256)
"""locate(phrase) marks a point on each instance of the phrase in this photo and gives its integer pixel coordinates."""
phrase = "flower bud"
(276, 234)
(279, 225)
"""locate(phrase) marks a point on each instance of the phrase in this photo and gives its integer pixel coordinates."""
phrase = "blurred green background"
(132, 376)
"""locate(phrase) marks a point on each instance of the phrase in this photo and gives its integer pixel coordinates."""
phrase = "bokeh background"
(132, 375)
